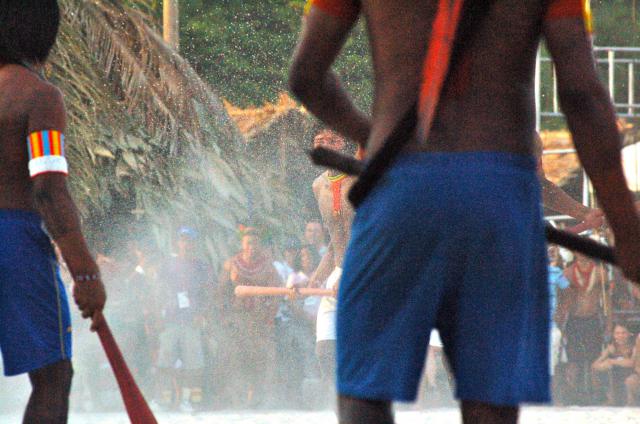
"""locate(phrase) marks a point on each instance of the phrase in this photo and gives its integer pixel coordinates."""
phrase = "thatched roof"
(282, 133)
(148, 137)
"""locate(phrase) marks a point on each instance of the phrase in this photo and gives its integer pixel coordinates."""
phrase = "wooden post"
(171, 19)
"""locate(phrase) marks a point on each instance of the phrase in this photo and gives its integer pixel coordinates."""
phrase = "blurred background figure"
(185, 293)
(583, 326)
(250, 323)
(613, 367)
(314, 235)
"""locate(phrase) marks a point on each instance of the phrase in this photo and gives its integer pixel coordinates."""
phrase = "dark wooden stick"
(352, 166)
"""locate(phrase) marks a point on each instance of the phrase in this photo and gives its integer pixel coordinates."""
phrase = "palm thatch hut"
(282, 133)
(149, 142)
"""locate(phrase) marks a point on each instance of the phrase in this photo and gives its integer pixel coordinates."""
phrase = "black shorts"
(584, 338)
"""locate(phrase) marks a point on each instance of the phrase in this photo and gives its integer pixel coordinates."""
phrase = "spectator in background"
(583, 329)
(614, 365)
(557, 283)
(131, 308)
(250, 321)
(286, 265)
(186, 284)
(632, 382)
(314, 235)
(296, 347)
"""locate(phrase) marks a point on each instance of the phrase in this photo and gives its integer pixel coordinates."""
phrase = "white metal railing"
(616, 66)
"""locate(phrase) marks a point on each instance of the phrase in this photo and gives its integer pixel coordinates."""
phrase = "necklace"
(336, 190)
(580, 278)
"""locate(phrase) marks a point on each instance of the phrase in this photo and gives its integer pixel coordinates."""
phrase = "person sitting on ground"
(615, 363)
(632, 382)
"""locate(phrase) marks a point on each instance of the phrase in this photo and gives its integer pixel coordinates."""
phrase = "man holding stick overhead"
(331, 189)
(436, 242)
(36, 207)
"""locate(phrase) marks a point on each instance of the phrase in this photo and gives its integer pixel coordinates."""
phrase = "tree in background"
(171, 23)
(243, 48)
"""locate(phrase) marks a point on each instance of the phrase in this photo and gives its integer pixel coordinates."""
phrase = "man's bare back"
(22, 89)
(479, 109)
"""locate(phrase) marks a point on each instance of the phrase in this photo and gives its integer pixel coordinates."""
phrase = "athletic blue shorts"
(35, 326)
(453, 241)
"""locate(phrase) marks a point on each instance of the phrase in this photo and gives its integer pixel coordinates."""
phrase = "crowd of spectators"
(193, 345)
(595, 340)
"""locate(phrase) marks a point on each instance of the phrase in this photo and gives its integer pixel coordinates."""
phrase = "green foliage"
(244, 47)
(614, 24)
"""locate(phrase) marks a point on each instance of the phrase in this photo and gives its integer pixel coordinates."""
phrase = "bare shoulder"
(47, 110)
(30, 84)
(319, 182)
(44, 91)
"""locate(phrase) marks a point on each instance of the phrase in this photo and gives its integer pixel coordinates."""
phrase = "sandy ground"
(437, 416)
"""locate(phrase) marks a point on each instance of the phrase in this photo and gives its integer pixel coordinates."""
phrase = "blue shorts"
(35, 326)
(453, 241)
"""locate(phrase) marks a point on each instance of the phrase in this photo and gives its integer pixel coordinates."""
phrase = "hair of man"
(28, 30)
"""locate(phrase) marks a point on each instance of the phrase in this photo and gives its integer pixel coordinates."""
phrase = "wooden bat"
(137, 408)
(260, 291)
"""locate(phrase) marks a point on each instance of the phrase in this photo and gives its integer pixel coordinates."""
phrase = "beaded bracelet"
(86, 277)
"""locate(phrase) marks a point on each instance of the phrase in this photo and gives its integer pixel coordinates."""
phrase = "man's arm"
(558, 200)
(315, 85)
(58, 211)
(324, 270)
(591, 118)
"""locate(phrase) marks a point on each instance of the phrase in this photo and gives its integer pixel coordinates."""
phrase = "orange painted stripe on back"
(436, 63)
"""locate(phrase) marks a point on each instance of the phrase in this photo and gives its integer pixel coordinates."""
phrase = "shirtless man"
(583, 328)
(250, 320)
(331, 190)
(35, 327)
(468, 191)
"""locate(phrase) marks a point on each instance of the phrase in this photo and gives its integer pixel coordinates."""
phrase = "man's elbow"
(302, 82)
(583, 99)
(49, 192)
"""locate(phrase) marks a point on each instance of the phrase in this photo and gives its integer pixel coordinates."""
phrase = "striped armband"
(46, 153)
(345, 9)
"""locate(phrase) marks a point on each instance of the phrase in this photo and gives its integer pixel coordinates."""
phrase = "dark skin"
(338, 226)
(498, 111)
(29, 104)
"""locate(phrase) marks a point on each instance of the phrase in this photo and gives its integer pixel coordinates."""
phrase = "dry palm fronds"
(147, 134)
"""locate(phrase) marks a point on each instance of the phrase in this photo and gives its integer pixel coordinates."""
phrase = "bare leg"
(361, 411)
(633, 387)
(49, 401)
(483, 413)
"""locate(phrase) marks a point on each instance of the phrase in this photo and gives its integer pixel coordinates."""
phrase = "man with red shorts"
(452, 236)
